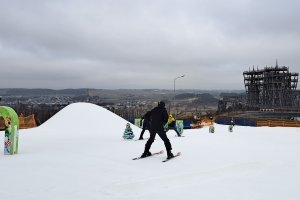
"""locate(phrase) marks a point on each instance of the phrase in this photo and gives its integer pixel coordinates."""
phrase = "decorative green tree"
(128, 133)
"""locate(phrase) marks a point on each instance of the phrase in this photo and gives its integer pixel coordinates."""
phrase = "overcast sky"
(139, 44)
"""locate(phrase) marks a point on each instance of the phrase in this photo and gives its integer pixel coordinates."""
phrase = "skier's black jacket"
(147, 118)
(159, 117)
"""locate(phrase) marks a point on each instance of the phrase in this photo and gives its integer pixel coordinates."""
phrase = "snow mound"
(85, 116)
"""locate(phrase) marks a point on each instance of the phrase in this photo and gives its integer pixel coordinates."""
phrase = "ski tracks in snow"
(178, 181)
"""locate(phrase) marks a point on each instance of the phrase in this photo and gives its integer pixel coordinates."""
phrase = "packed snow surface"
(79, 154)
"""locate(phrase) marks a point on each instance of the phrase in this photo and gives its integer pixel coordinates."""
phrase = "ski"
(157, 153)
(178, 154)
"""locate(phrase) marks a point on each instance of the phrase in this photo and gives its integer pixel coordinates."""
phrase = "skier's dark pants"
(143, 131)
(163, 136)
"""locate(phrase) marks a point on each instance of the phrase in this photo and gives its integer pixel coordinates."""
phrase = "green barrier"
(211, 129)
(179, 126)
(230, 128)
(138, 122)
(11, 121)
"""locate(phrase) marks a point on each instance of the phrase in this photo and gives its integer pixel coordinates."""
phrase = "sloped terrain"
(80, 154)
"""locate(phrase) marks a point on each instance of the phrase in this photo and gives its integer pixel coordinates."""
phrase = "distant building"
(232, 102)
(298, 98)
(271, 87)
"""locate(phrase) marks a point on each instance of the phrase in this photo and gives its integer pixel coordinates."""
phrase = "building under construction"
(271, 87)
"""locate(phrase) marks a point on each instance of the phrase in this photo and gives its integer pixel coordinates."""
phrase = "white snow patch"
(79, 154)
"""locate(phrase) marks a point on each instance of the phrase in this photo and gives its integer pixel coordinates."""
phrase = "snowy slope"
(80, 154)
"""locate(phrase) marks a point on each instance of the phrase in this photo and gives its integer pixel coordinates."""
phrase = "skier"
(211, 120)
(231, 125)
(128, 134)
(172, 124)
(232, 122)
(159, 117)
(146, 124)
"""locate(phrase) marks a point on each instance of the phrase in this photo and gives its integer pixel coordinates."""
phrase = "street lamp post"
(175, 89)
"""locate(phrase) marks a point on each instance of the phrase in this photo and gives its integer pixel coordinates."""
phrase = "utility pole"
(175, 91)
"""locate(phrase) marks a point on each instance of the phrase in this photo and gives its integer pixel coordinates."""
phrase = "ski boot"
(170, 154)
(146, 154)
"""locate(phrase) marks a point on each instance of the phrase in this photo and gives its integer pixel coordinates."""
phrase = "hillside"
(79, 154)
(198, 99)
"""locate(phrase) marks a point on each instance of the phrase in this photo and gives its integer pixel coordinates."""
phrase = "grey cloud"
(144, 44)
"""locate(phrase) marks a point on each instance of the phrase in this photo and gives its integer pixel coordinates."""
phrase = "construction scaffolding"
(272, 87)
